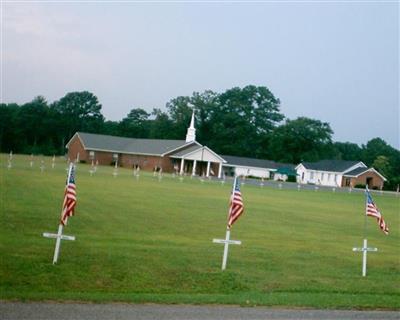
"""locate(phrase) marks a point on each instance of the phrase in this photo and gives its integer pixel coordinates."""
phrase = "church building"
(180, 156)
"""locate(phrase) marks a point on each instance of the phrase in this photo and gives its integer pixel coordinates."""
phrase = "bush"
(360, 186)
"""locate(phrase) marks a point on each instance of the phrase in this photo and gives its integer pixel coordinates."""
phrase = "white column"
(194, 167)
(182, 164)
(220, 170)
(208, 169)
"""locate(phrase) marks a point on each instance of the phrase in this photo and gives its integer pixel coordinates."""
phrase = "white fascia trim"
(218, 156)
(373, 169)
(203, 147)
(250, 167)
(186, 154)
(182, 146)
(80, 139)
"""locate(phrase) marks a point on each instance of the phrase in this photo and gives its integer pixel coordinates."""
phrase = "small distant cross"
(364, 250)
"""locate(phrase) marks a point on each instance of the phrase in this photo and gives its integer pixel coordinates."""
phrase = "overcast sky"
(334, 61)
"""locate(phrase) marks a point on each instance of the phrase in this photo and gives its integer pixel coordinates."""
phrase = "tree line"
(240, 121)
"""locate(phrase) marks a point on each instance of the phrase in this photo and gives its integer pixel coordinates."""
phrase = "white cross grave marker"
(364, 250)
(226, 243)
(9, 166)
(59, 236)
(115, 172)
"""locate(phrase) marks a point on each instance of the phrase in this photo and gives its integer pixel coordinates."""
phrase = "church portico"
(200, 161)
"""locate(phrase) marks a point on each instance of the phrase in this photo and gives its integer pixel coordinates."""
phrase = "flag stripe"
(373, 211)
(69, 197)
(236, 204)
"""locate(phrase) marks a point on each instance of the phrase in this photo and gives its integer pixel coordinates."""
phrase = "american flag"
(373, 211)
(70, 197)
(236, 204)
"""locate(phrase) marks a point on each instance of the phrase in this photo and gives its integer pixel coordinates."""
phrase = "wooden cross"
(364, 250)
(226, 243)
(59, 236)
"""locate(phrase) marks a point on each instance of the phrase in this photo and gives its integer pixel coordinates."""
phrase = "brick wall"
(375, 182)
(147, 163)
(76, 147)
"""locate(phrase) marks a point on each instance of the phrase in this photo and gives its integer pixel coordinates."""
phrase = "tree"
(38, 127)
(347, 151)
(161, 127)
(382, 164)
(302, 139)
(205, 104)
(180, 111)
(79, 111)
(386, 159)
(374, 148)
(242, 119)
(10, 134)
(136, 124)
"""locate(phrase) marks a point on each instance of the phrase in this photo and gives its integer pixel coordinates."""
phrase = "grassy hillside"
(151, 241)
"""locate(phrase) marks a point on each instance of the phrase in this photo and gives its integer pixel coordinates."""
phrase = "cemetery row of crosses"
(236, 207)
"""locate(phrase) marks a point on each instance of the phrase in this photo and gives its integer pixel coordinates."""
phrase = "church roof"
(100, 142)
(184, 151)
(331, 165)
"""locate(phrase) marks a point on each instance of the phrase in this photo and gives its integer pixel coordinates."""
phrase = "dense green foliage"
(144, 240)
(240, 121)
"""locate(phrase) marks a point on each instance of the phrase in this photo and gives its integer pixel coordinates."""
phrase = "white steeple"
(191, 131)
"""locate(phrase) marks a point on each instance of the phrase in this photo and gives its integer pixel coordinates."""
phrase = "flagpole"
(228, 231)
(365, 242)
(60, 226)
(365, 218)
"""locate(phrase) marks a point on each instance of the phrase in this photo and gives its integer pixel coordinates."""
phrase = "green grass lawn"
(150, 241)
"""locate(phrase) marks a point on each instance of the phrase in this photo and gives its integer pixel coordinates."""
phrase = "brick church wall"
(375, 183)
(76, 147)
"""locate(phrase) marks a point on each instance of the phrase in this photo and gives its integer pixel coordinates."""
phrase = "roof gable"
(199, 153)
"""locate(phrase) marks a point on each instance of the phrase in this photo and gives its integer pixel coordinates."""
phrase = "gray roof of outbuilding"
(330, 165)
(356, 172)
(129, 145)
(256, 163)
